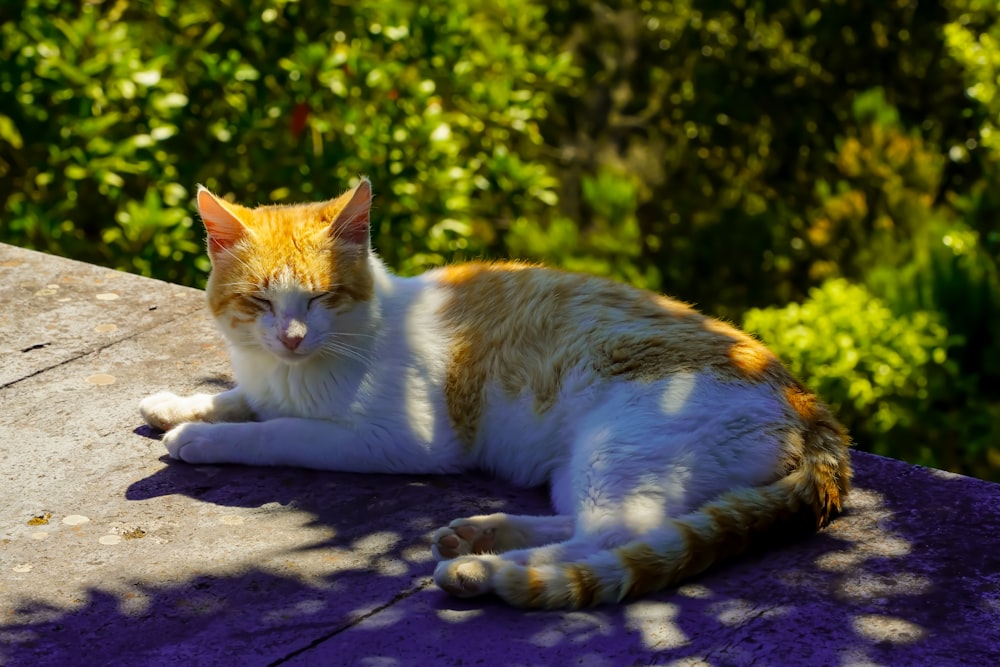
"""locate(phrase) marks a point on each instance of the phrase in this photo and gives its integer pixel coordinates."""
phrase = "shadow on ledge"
(907, 576)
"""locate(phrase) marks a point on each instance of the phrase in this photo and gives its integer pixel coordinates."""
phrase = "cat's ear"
(223, 227)
(352, 223)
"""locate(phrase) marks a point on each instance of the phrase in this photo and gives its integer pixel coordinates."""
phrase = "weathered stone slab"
(57, 309)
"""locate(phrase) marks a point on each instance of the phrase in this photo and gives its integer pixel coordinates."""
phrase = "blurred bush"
(738, 154)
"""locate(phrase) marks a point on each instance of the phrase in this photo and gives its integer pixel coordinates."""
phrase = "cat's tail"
(803, 501)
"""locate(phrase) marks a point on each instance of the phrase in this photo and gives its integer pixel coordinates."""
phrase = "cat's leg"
(636, 470)
(166, 410)
(476, 554)
(497, 533)
(310, 443)
(613, 486)
(475, 574)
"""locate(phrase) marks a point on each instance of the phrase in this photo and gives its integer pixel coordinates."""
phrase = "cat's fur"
(670, 440)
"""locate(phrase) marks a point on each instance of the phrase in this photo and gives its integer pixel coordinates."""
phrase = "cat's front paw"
(196, 442)
(204, 442)
(164, 410)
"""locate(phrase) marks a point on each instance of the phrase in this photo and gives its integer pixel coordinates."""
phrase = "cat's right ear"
(223, 227)
(352, 223)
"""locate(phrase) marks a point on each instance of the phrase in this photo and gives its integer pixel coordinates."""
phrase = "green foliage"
(973, 39)
(736, 154)
(611, 245)
(436, 103)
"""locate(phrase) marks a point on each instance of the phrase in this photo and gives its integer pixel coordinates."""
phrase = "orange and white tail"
(803, 501)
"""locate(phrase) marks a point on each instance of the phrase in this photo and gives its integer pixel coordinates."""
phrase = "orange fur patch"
(585, 585)
(535, 588)
(647, 570)
(824, 452)
(802, 402)
(504, 323)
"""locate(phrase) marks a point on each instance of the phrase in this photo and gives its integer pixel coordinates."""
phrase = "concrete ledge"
(111, 555)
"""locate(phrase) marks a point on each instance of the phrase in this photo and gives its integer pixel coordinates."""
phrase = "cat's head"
(295, 280)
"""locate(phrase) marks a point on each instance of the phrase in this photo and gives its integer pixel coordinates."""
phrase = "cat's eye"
(314, 299)
(260, 302)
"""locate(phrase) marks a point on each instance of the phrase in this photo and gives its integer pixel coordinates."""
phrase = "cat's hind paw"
(468, 576)
(461, 537)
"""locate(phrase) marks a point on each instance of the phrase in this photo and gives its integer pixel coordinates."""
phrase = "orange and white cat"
(670, 440)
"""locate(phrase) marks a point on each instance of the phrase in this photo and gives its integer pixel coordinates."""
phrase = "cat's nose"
(291, 342)
(292, 334)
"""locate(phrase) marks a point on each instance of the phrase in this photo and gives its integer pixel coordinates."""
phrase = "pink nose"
(290, 341)
(291, 333)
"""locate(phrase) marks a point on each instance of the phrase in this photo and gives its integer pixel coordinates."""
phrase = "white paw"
(165, 410)
(196, 442)
(467, 576)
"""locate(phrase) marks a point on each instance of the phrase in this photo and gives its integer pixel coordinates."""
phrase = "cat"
(669, 440)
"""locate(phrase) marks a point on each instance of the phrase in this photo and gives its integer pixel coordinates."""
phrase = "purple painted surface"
(908, 576)
(182, 564)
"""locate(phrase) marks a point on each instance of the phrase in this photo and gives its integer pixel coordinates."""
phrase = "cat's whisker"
(337, 346)
(337, 335)
(345, 333)
(333, 347)
(344, 354)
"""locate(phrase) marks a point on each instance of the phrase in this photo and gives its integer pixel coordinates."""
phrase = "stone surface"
(111, 554)
(54, 299)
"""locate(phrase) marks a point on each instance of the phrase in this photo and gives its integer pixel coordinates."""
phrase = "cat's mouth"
(293, 356)
(290, 355)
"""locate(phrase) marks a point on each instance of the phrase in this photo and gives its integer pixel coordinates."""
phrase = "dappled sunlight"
(642, 511)
(878, 628)
(387, 617)
(680, 386)
(382, 542)
(459, 615)
(859, 657)
(736, 613)
(875, 540)
(654, 621)
(862, 586)
(417, 554)
(577, 627)
(295, 612)
(944, 474)
(697, 591)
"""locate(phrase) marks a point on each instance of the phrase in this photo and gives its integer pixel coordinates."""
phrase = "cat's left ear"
(353, 223)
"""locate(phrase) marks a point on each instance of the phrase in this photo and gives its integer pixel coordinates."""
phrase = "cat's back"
(530, 331)
(510, 310)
